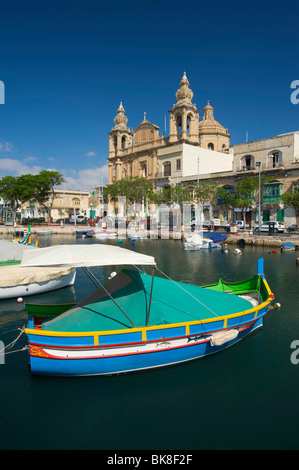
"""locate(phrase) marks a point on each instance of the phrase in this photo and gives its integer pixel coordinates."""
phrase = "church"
(193, 147)
(200, 150)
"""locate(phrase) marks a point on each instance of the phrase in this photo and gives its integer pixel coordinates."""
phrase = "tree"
(240, 196)
(39, 188)
(292, 199)
(205, 191)
(134, 189)
(172, 195)
(45, 184)
(9, 192)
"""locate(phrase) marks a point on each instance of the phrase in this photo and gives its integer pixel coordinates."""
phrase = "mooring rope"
(7, 348)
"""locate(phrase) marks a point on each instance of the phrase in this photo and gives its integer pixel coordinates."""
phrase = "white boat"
(102, 234)
(206, 240)
(17, 281)
(195, 242)
(44, 233)
(105, 234)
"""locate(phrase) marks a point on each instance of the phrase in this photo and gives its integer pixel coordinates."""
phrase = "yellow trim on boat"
(144, 329)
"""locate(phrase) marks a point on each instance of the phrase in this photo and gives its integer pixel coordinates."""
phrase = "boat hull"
(37, 287)
(70, 361)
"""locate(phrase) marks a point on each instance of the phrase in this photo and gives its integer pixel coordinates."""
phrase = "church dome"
(208, 118)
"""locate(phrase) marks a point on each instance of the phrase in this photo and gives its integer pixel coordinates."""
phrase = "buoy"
(297, 260)
(133, 240)
(120, 241)
(277, 305)
(274, 251)
(237, 251)
(19, 299)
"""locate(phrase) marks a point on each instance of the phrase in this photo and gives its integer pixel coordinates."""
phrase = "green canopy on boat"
(172, 302)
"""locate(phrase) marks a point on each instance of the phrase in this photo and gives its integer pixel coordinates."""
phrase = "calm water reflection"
(242, 398)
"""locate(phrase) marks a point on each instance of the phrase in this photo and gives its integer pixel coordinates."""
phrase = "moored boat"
(16, 281)
(206, 240)
(101, 234)
(288, 246)
(137, 321)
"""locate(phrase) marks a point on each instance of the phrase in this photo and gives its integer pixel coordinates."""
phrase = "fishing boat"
(206, 240)
(26, 240)
(137, 321)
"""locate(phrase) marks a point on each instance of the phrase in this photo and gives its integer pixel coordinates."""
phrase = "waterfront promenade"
(247, 237)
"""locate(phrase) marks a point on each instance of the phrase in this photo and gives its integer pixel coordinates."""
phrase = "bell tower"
(184, 116)
(120, 137)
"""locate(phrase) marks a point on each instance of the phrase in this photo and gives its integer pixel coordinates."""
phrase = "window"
(247, 163)
(275, 159)
(123, 143)
(167, 169)
(76, 201)
(143, 171)
(189, 117)
(295, 187)
(211, 146)
(179, 124)
(272, 192)
(178, 164)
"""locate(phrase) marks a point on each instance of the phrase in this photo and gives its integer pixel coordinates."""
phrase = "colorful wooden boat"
(138, 321)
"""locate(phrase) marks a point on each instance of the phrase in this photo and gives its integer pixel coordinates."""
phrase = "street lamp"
(258, 164)
(92, 205)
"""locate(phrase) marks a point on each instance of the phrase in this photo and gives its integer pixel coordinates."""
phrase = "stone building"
(136, 153)
(66, 203)
(279, 161)
(199, 150)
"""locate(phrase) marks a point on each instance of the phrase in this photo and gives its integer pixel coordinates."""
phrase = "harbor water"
(245, 397)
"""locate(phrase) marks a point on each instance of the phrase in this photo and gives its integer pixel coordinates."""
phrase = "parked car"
(266, 226)
(66, 221)
(206, 223)
(33, 220)
(292, 228)
(240, 225)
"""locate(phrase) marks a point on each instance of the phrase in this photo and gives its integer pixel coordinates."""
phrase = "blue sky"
(67, 64)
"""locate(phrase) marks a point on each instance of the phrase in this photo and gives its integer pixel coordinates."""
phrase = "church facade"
(138, 153)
